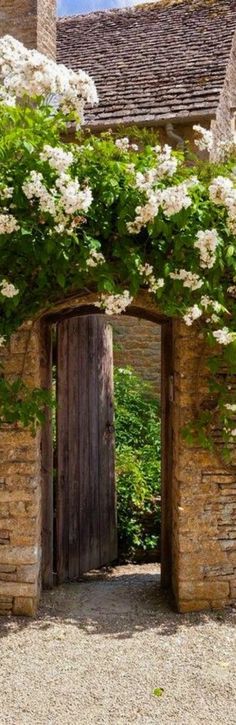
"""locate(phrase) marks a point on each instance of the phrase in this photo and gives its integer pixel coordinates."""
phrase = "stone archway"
(203, 489)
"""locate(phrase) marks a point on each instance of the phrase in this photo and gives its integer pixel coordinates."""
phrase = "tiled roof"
(152, 62)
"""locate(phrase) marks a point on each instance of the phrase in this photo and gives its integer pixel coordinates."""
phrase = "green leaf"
(158, 691)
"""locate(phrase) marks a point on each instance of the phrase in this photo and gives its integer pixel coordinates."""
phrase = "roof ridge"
(151, 6)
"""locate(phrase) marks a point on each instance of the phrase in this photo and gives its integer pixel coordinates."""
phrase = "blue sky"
(70, 7)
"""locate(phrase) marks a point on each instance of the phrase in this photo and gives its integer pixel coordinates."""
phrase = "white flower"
(34, 187)
(114, 304)
(231, 406)
(233, 432)
(144, 214)
(146, 271)
(73, 198)
(26, 72)
(224, 336)
(66, 195)
(193, 313)
(206, 302)
(2, 340)
(8, 289)
(8, 224)
(146, 180)
(174, 199)
(232, 290)
(122, 143)
(6, 192)
(220, 189)
(207, 242)
(57, 158)
(95, 258)
(167, 164)
(155, 284)
(205, 140)
(189, 279)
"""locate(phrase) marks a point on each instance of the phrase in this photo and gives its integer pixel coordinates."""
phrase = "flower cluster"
(34, 188)
(28, 73)
(206, 242)
(167, 162)
(65, 198)
(205, 140)
(147, 273)
(124, 144)
(8, 289)
(224, 336)
(189, 279)
(175, 198)
(223, 193)
(114, 304)
(8, 224)
(6, 192)
(57, 158)
(171, 200)
(192, 314)
(95, 258)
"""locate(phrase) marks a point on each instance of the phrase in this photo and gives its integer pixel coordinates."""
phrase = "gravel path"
(97, 650)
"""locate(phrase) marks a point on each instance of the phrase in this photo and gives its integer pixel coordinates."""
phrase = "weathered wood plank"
(62, 498)
(106, 444)
(73, 448)
(86, 505)
(167, 388)
(93, 422)
(47, 462)
(84, 452)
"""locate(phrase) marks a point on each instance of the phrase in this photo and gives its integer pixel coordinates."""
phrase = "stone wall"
(33, 22)
(137, 343)
(204, 494)
(20, 509)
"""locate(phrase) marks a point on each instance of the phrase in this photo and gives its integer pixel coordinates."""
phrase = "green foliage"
(45, 264)
(138, 461)
(19, 403)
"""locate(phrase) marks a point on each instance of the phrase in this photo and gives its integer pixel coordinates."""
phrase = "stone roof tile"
(166, 59)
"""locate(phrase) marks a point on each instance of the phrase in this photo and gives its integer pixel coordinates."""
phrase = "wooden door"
(167, 399)
(86, 529)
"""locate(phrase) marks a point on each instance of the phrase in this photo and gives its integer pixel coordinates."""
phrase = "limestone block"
(25, 606)
(193, 606)
(18, 589)
(28, 574)
(19, 554)
(5, 605)
(25, 539)
(203, 590)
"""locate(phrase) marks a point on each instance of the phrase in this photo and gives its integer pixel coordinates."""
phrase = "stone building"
(166, 65)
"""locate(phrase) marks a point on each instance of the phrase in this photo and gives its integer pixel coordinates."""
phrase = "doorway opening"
(94, 474)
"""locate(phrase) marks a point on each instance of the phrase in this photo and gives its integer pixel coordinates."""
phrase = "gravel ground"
(97, 650)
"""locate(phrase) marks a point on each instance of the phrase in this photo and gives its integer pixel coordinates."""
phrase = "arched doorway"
(89, 474)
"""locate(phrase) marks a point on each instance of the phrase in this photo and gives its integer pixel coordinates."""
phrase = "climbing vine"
(112, 215)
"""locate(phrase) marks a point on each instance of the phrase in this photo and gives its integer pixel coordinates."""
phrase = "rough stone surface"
(137, 343)
(20, 503)
(204, 503)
